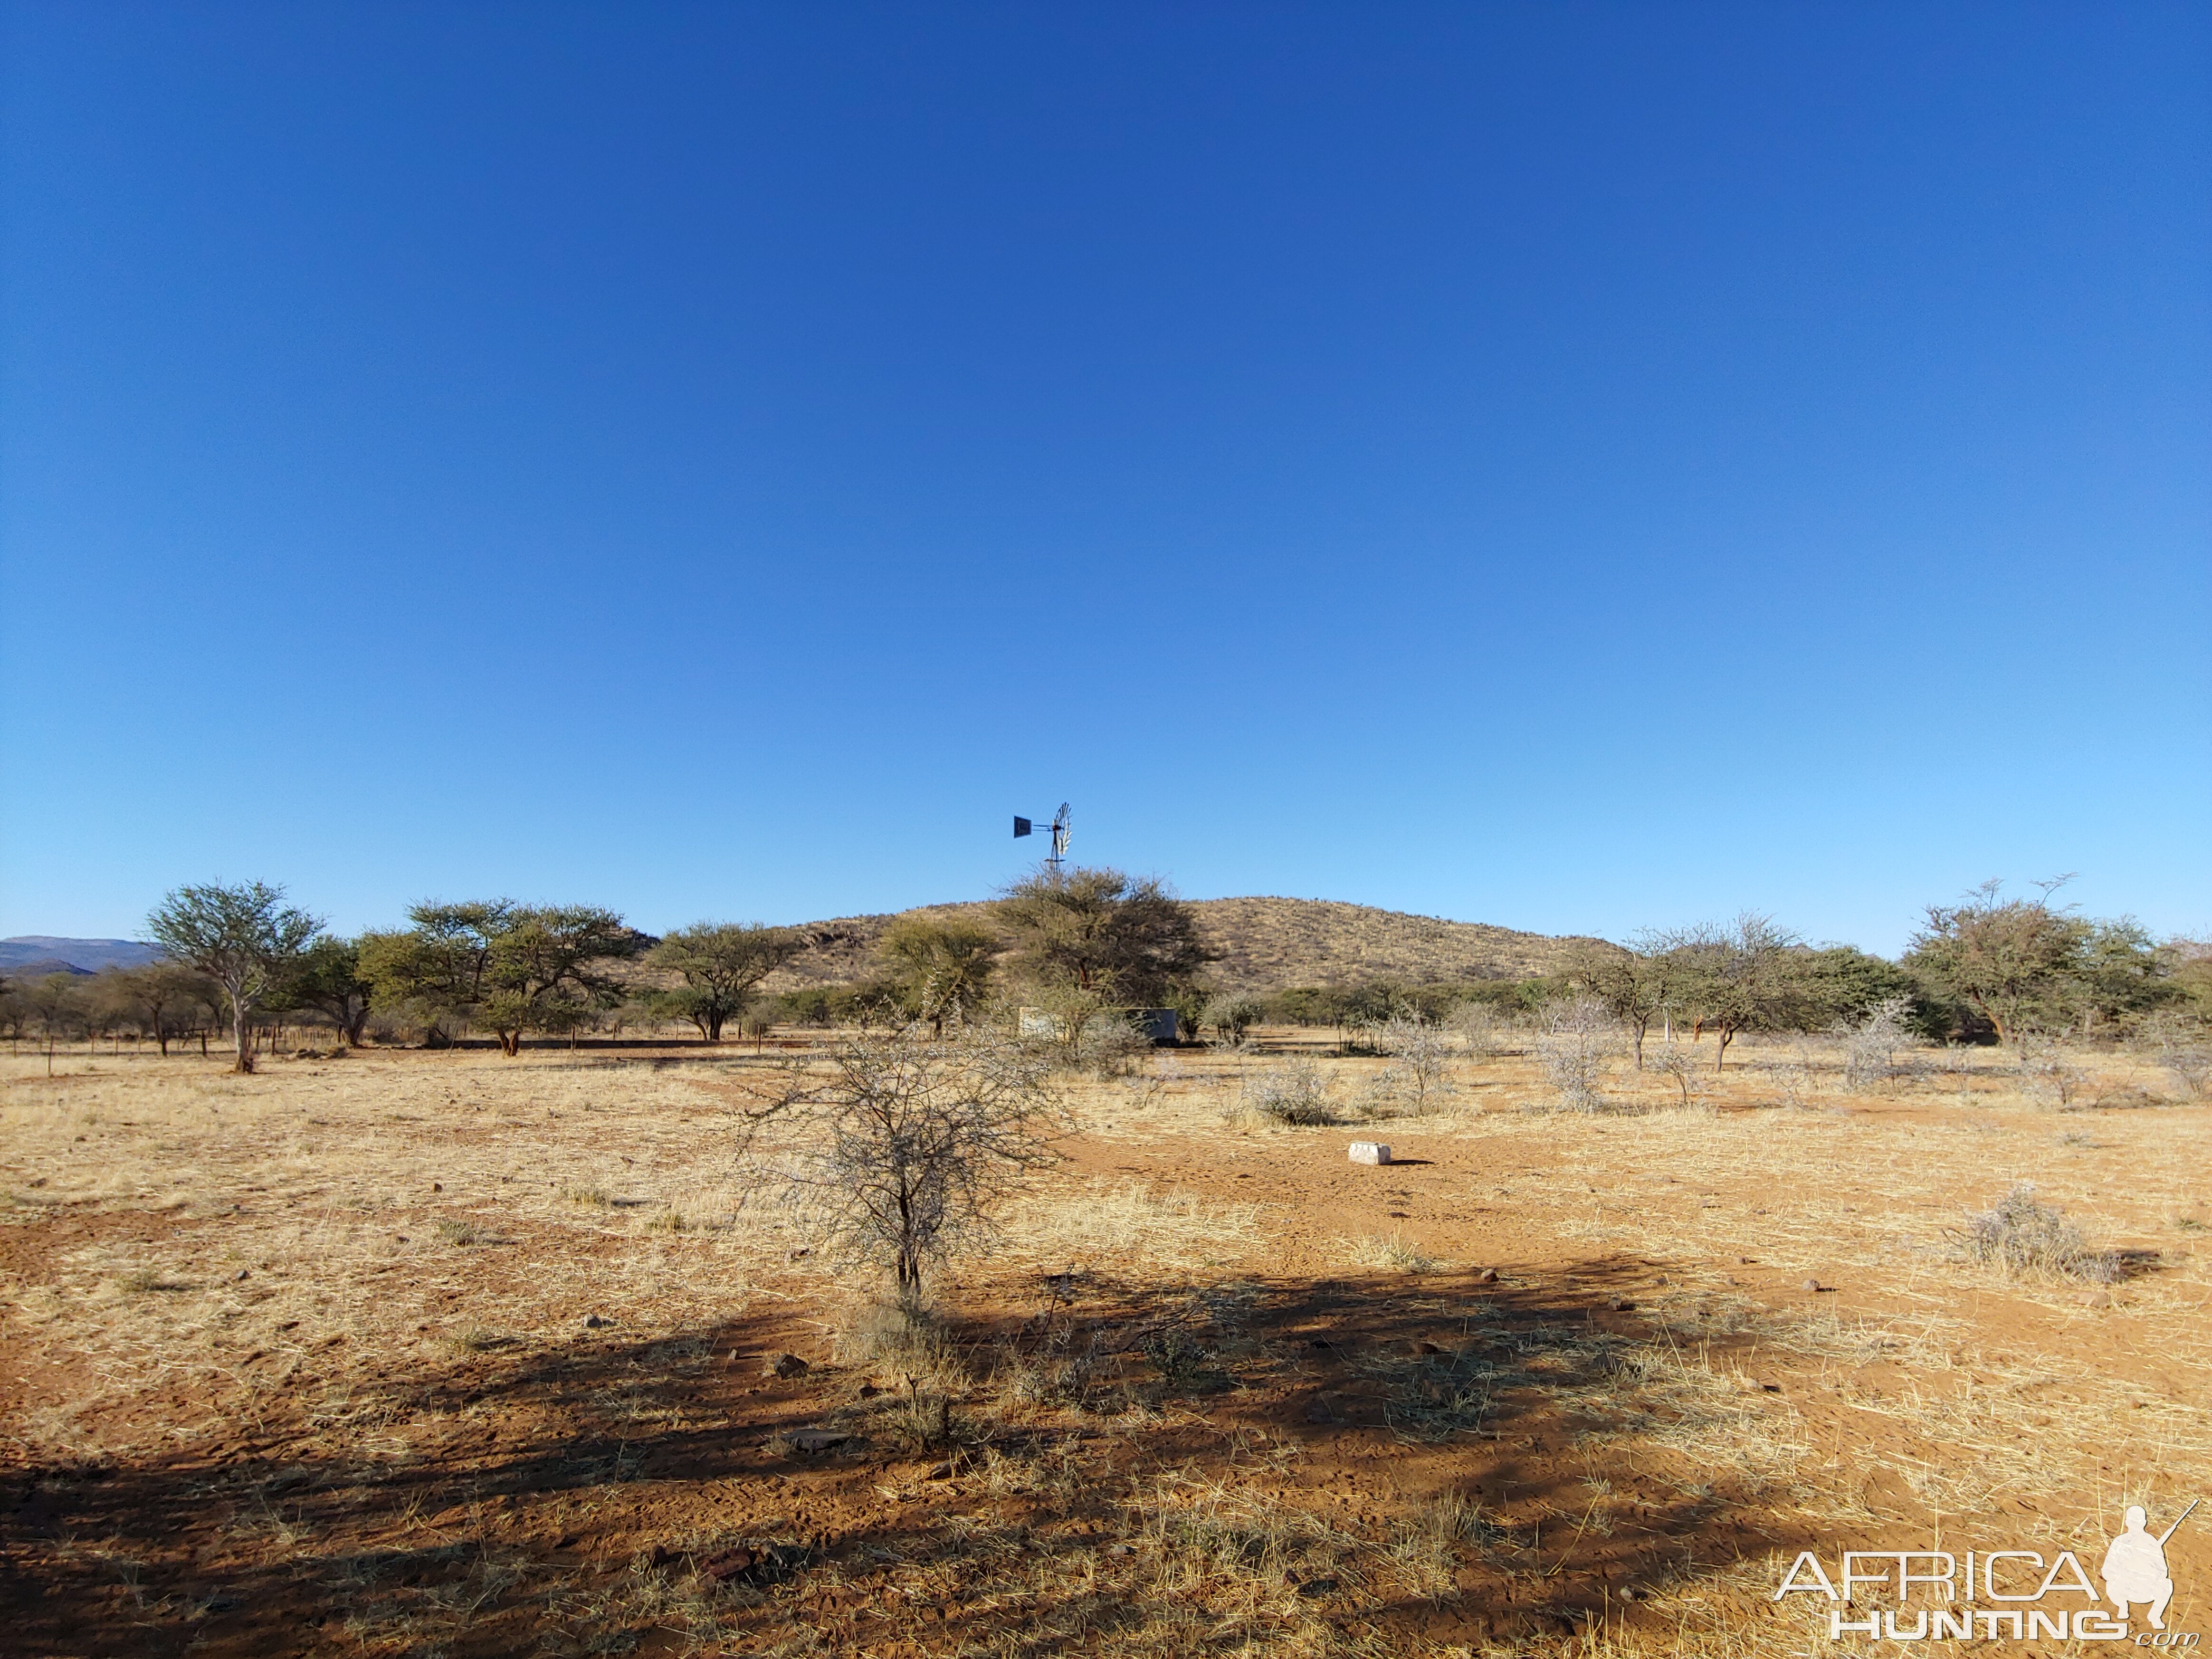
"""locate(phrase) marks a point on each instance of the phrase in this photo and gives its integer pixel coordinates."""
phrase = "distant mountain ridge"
(1266, 944)
(32, 954)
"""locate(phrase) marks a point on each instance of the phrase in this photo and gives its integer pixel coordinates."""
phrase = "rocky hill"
(1267, 945)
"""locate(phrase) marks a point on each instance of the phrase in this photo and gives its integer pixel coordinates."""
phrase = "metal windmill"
(1059, 828)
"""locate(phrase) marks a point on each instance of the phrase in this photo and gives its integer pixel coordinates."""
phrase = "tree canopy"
(720, 964)
(943, 967)
(244, 938)
(1129, 940)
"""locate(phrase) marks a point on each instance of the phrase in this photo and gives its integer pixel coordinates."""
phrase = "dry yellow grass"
(322, 1335)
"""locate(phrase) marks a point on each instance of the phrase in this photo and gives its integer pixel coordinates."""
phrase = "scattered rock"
(2096, 1298)
(1313, 1588)
(1627, 1592)
(1423, 1347)
(940, 1471)
(1370, 1152)
(784, 1365)
(1487, 1276)
(593, 1323)
(437, 1186)
(1620, 1304)
(1119, 1549)
(798, 1254)
(240, 1276)
(1814, 1284)
(812, 1439)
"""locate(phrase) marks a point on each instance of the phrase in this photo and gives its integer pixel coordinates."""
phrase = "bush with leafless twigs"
(903, 1149)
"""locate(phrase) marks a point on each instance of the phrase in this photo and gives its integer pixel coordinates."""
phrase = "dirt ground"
(442, 1354)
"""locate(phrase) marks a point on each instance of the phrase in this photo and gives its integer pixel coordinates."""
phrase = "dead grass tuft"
(1393, 1251)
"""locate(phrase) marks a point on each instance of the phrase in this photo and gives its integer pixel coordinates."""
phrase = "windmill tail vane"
(1059, 828)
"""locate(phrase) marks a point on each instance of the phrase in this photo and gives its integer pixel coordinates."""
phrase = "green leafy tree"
(943, 967)
(1845, 987)
(329, 980)
(2124, 973)
(434, 972)
(547, 970)
(2020, 964)
(721, 963)
(244, 938)
(1103, 934)
(1743, 975)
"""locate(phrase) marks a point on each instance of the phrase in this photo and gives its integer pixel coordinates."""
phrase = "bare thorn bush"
(2183, 1048)
(1878, 1049)
(1483, 1032)
(1578, 1053)
(1291, 1093)
(906, 1149)
(1678, 1065)
(2025, 1237)
(2050, 1074)
(1420, 1056)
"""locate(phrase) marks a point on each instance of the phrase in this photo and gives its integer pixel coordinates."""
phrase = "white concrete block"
(1370, 1152)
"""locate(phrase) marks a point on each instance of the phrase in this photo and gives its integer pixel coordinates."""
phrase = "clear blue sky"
(1570, 467)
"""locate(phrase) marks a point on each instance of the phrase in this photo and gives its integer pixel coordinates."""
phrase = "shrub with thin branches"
(1291, 1093)
(2184, 1047)
(2024, 1236)
(2049, 1072)
(906, 1148)
(1577, 1053)
(1483, 1031)
(1419, 1055)
(1877, 1048)
(1678, 1065)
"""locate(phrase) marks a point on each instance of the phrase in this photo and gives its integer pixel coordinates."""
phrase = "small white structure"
(1041, 1024)
(1370, 1152)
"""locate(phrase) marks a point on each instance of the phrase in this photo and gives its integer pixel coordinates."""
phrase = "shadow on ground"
(1422, 1459)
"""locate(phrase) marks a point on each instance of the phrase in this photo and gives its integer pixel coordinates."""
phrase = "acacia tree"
(1735, 977)
(433, 973)
(1634, 984)
(57, 1002)
(720, 964)
(546, 969)
(246, 938)
(903, 1151)
(2017, 963)
(156, 998)
(329, 980)
(942, 967)
(1106, 938)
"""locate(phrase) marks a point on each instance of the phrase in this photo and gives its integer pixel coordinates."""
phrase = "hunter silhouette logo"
(2135, 1566)
(1998, 1594)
